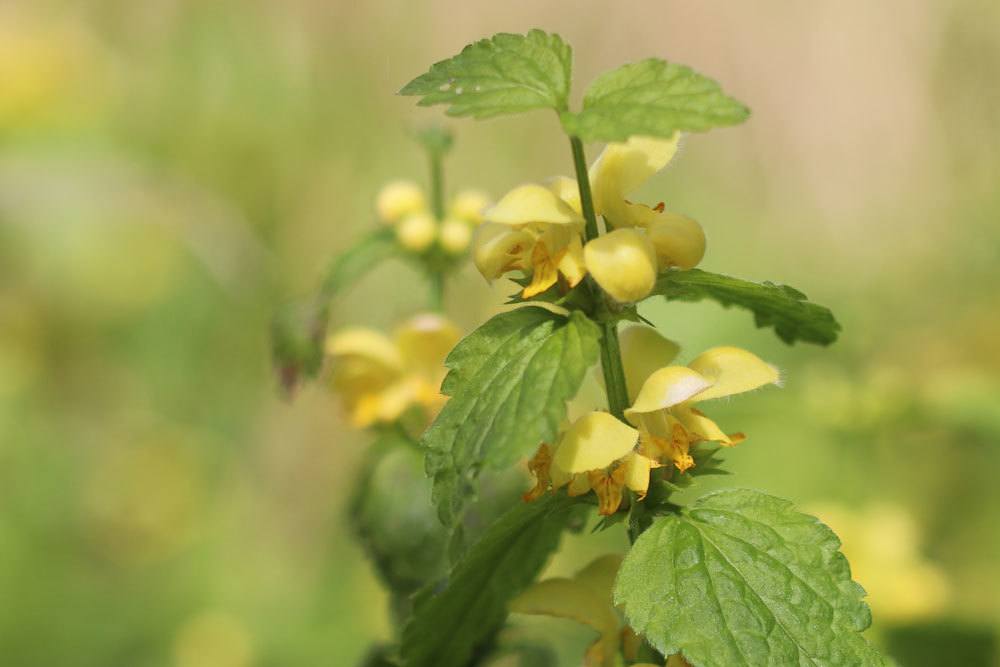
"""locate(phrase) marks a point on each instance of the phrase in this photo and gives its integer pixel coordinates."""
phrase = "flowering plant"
(736, 576)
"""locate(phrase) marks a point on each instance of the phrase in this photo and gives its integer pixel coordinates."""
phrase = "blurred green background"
(172, 170)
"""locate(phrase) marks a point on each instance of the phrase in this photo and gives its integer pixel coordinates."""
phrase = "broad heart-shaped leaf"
(741, 578)
(298, 329)
(509, 383)
(652, 98)
(452, 620)
(505, 74)
(779, 306)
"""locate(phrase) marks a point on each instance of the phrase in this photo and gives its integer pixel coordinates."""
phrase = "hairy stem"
(611, 356)
(583, 182)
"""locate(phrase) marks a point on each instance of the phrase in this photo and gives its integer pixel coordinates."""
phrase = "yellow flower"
(399, 199)
(544, 228)
(623, 263)
(584, 598)
(620, 170)
(379, 378)
(403, 205)
(417, 232)
(596, 453)
(531, 229)
(664, 410)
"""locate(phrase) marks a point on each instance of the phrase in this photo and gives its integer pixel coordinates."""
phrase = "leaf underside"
(741, 578)
(779, 306)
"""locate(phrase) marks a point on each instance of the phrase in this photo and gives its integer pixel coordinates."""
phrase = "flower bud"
(469, 205)
(455, 236)
(416, 232)
(623, 263)
(679, 241)
(398, 200)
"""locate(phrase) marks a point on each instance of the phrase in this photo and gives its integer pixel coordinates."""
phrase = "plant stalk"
(435, 276)
(611, 356)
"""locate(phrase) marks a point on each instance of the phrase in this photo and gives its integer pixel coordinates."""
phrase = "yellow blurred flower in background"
(213, 639)
(49, 68)
(379, 378)
(403, 205)
(882, 542)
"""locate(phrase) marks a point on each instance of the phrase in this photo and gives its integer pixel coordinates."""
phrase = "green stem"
(614, 371)
(436, 300)
(611, 356)
(583, 182)
(437, 185)
(434, 272)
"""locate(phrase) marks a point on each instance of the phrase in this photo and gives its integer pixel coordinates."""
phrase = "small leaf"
(741, 578)
(435, 139)
(299, 328)
(505, 74)
(652, 98)
(778, 306)
(450, 621)
(350, 265)
(509, 382)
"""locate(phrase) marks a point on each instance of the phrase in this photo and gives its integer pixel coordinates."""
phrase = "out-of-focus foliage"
(171, 170)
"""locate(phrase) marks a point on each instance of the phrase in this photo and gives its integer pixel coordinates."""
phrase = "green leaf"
(299, 328)
(450, 622)
(509, 382)
(778, 306)
(652, 98)
(505, 74)
(741, 578)
(394, 519)
(356, 261)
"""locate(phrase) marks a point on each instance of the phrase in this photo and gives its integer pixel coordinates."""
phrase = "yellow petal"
(644, 350)
(532, 203)
(416, 232)
(665, 388)
(677, 660)
(700, 426)
(566, 188)
(365, 343)
(468, 205)
(572, 265)
(565, 598)
(623, 167)
(637, 469)
(499, 249)
(623, 263)
(732, 371)
(425, 340)
(599, 575)
(456, 234)
(594, 441)
(398, 200)
(678, 241)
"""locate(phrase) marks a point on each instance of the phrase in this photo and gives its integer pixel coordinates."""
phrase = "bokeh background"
(172, 170)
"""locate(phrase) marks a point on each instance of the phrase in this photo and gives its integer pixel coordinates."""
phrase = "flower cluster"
(600, 453)
(403, 205)
(380, 378)
(538, 229)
